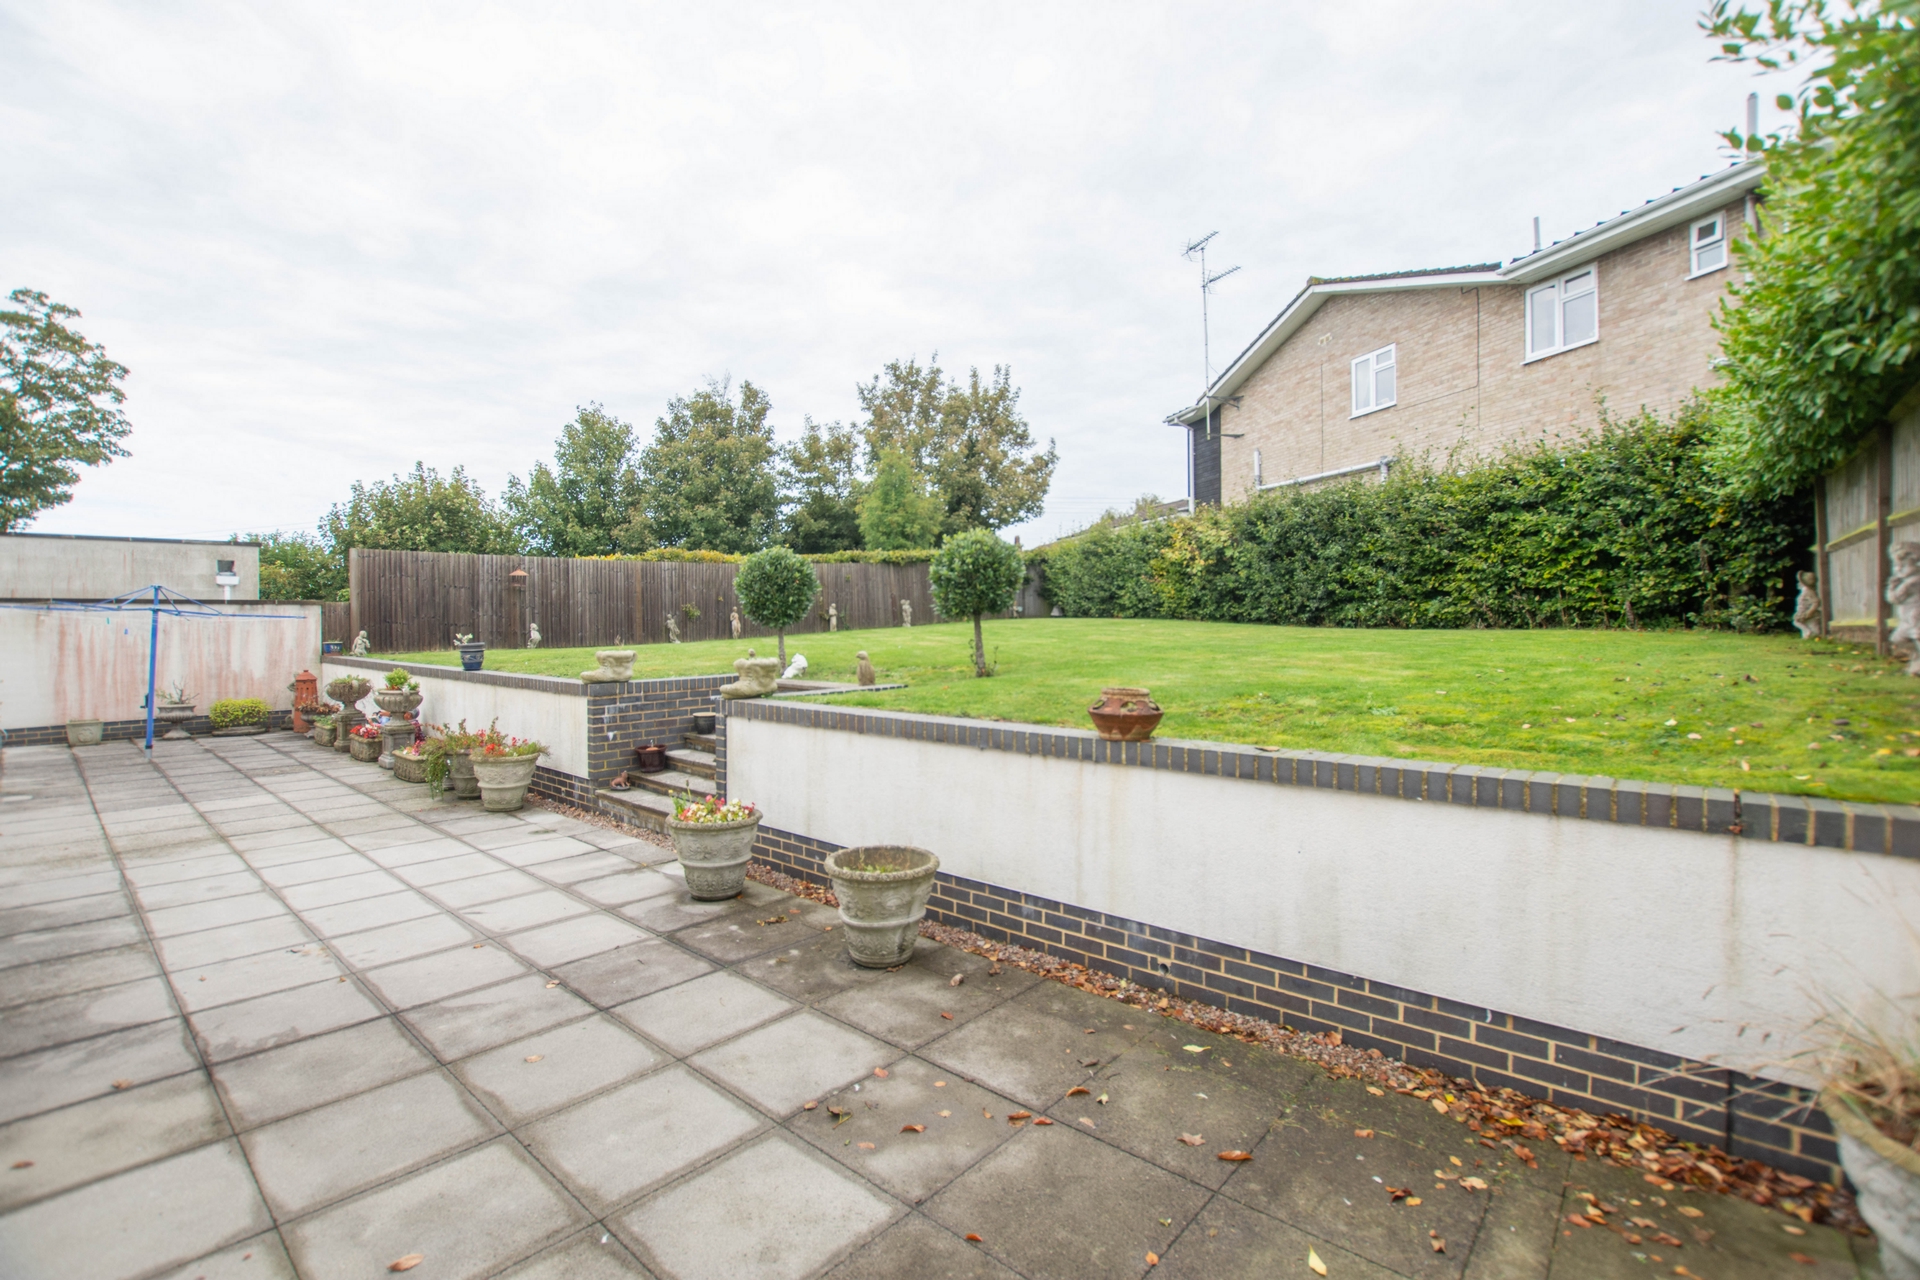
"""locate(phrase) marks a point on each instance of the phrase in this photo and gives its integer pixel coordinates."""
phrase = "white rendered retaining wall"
(547, 709)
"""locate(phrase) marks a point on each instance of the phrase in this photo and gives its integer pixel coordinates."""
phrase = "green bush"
(975, 573)
(776, 588)
(1626, 528)
(229, 713)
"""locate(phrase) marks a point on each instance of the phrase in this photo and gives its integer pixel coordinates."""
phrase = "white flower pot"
(714, 855)
(883, 892)
(503, 781)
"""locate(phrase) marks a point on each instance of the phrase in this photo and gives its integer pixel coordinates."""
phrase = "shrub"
(230, 713)
(776, 588)
(1628, 527)
(975, 573)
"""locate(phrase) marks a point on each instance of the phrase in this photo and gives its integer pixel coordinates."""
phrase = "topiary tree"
(776, 588)
(975, 573)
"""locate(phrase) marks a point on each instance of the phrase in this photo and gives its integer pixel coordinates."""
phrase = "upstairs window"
(1563, 313)
(1373, 381)
(1707, 246)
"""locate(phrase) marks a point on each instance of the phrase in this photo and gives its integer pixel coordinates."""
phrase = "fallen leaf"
(808, 1106)
(840, 1115)
(478, 945)
(535, 1057)
(1041, 1120)
(407, 1263)
(947, 1016)
(123, 1084)
(1090, 1124)
(1579, 1220)
(1102, 1099)
(986, 1113)
(1439, 1245)
(1439, 1106)
(1314, 1264)
(553, 984)
(1194, 1048)
(1089, 1062)
(1077, 1090)
(1153, 1259)
(913, 1128)
(1690, 1211)
(956, 979)
(1792, 1230)
(1456, 1161)
(1657, 1181)
(1671, 1241)
(1235, 1156)
(22, 1164)
(993, 970)
(1413, 1200)
(1192, 1139)
(1363, 1133)
(939, 1084)
(865, 1146)
(972, 1237)
(1648, 1223)
(1089, 1031)
(1019, 1115)
(1472, 1184)
(880, 1072)
(1802, 1259)
(1376, 1091)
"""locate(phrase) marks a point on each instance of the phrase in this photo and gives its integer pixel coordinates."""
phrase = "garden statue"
(796, 668)
(673, 629)
(758, 677)
(833, 617)
(361, 647)
(533, 635)
(616, 666)
(906, 613)
(733, 621)
(1903, 593)
(866, 668)
(1806, 610)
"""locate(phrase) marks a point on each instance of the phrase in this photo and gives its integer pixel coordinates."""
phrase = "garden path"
(265, 1012)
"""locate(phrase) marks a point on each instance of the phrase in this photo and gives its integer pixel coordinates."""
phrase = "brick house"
(1360, 372)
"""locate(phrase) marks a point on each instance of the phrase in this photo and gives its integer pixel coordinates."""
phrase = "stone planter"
(409, 768)
(348, 690)
(471, 656)
(504, 781)
(616, 667)
(1886, 1178)
(396, 702)
(460, 774)
(343, 721)
(1125, 715)
(395, 735)
(323, 735)
(174, 715)
(85, 733)
(883, 892)
(365, 750)
(714, 855)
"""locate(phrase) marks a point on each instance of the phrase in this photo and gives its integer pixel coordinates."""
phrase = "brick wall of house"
(1463, 377)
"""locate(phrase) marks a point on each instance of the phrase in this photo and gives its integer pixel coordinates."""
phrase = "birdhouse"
(518, 578)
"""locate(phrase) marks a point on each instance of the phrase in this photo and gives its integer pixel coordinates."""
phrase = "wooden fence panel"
(1862, 508)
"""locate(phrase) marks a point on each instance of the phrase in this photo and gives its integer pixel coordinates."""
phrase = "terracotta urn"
(1125, 715)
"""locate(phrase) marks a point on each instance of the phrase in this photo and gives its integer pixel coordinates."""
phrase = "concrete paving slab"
(473, 1215)
(69, 1073)
(524, 912)
(403, 941)
(331, 867)
(704, 1011)
(574, 939)
(677, 909)
(1516, 1237)
(319, 1156)
(77, 973)
(69, 940)
(250, 1026)
(628, 886)
(503, 835)
(1228, 1241)
(462, 1025)
(309, 1073)
(816, 970)
(226, 981)
(290, 853)
(56, 1150)
(773, 1211)
(53, 915)
(426, 845)
(427, 978)
(475, 890)
(261, 1257)
(584, 866)
(800, 1057)
(328, 893)
(906, 1008)
(1018, 1198)
(212, 915)
(212, 864)
(64, 1019)
(130, 1225)
(440, 870)
(626, 973)
(179, 893)
(184, 951)
(552, 1069)
(916, 1247)
(592, 1255)
(740, 934)
(613, 1147)
(369, 913)
(1035, 1047)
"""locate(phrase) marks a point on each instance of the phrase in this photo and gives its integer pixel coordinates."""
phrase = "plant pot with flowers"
(503, 766)
(363, 740)
(714, 841)
(347, 691)
(410, 763)
(323, 731)
(313, 713)
(401, 694)
(449, 755)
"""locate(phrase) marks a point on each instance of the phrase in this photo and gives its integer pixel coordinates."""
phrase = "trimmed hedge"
(679, 555)
(230, 713)
(1626, 528)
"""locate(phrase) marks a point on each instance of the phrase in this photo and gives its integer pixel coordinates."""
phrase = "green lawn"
(1819, 719)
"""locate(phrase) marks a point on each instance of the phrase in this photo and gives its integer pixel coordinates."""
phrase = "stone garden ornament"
(756, 678)
(795, 669)
(866, 676)
(833, 617)
(1806, 609)
(1903, 593)
(533, 635)
(733, 622)
(616, 666)
(361, 646)
(906, 613)
(673, 629)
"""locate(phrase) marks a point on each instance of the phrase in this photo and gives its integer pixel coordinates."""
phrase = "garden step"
(672, 782)
(636, 808)
(699, 763)
(701, 741)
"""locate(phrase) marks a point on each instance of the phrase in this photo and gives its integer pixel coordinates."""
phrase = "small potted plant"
(449, 757)
(503, 766)
(316, 711)
(348, 691)
(410, 763)
(363, 740)
(471, 655)
(1872, 1096)
(883, 892)
(714, 842)
(401, 695)
(323, 730)
(232, 717)
(174, 710)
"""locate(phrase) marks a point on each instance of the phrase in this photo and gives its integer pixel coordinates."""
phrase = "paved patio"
(268, 1012)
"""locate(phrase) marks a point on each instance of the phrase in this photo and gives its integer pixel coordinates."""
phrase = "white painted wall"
(60, 666)
(556, 720)
(38, 566)
(1664, 939)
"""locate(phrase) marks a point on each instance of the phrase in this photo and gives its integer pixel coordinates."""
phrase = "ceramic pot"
(85, 733)
(471, 656)
(1125, 715)
(1886, 1180)
(883, 892)
(714, 855)
(503, 781)
(703, 722)
(323, 735)
(460, 773)
(651, 758)
(409, 768)
(366, 750)
(396, 702)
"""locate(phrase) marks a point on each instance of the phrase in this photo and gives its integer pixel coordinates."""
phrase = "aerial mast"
(1197, 251)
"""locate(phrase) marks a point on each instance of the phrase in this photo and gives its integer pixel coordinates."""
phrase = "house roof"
(1682, 204)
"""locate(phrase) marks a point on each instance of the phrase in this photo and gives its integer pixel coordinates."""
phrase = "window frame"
(1560, 297)
(1372, 358)
(1724, 242)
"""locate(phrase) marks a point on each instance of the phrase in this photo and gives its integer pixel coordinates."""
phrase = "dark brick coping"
(564, 686)
(1782, 819)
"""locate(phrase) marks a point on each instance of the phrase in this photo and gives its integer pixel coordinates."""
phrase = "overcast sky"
(329, 240)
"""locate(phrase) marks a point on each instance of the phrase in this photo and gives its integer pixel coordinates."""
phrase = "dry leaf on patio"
(123, 1084)
(957, 979)
(1803, 1259)
(944, 1114)
(1363, 1133)
(947, 1016)
(840, 1115)
(1473, 1184)
(971, 1236)
(407, 1263)
(1787, 1227)
(1041, 1120)
(1671, 1241)
(1657, 1181)
(1413, 1200)
(1396, 1194)
(21, 1164)
(535, 1057)
(553, 984)
(808, 1106)
(1691, 1212)
(1439, 1106)
(1014, 1117)
(1376, 1091)
(1102, 1099)
(1314, 1264)
(1077, 1090)
(1090, 1124)
(1153, 1259)
(1439, 1245)
(1192, 1139)
(986, 1113)
(881, 1072)
(1235, 1156)
(865, 1146)
(913, 1128)
(1194, 1048)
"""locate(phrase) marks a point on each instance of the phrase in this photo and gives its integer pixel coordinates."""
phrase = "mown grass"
(1810, 718)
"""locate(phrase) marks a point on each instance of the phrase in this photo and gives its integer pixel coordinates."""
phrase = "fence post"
(1883, 562)
(1823, 574)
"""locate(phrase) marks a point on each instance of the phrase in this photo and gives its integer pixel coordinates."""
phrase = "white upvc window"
(1706, 246)
(1563, 313)
(1373, 380)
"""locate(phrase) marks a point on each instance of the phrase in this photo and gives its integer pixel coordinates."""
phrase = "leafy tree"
(298, 566)
(776, 588)
(59, 407)
(896, 511)
(1822, 338)
(707, 479)
(421, 511)
(589, 502)
(969, 440)
(820, 477)
(975, 573)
